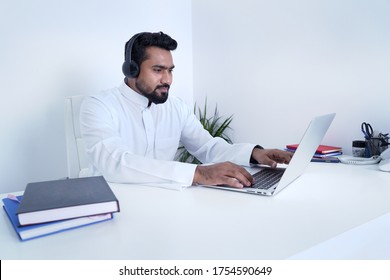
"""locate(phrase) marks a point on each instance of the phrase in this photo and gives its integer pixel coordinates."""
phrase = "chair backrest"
(75, 148)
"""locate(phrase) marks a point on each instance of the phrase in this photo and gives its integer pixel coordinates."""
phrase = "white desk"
(200, 223)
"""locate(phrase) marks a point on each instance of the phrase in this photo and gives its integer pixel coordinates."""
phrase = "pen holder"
(374, 147)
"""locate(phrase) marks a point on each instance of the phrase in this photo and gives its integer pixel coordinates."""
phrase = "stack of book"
(54, 206)
(323, 153)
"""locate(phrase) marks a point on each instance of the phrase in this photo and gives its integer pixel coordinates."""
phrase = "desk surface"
(201, 223)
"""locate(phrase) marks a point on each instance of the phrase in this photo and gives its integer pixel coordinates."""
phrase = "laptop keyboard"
(267, 177)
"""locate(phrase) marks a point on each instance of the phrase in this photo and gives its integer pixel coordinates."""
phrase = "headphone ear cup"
(130, 69)
(126, 68)
(134, 69)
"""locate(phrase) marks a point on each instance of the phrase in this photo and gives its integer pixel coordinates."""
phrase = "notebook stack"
(54, 206)
(323, 153)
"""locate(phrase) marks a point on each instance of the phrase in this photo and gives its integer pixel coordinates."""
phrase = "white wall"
(52, 49)
(276, 64)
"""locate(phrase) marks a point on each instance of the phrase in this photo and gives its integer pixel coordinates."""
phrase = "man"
(132, 132)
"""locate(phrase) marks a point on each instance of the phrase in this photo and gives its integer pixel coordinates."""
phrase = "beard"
(158, 96)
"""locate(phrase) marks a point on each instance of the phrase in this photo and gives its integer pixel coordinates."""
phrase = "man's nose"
(166, 78)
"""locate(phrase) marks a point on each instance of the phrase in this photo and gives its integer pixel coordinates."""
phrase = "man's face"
(155, 77)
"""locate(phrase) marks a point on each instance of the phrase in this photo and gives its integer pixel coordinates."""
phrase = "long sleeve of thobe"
(128, 141)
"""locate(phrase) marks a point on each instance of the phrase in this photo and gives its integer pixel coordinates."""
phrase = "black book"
(39, 230)
(65, 199)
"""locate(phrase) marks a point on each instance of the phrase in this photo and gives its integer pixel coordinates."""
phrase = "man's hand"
(271, 157)
(225, 173)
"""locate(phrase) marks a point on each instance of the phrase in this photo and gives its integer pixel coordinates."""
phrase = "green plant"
(214, 124)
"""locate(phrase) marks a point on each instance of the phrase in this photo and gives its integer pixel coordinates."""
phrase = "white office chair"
(75, 149)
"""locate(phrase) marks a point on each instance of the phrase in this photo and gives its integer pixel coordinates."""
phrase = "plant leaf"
(215, 125)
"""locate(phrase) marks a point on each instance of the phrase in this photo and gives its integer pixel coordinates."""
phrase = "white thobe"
(128, 142)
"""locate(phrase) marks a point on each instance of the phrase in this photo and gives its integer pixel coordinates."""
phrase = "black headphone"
(130, 68)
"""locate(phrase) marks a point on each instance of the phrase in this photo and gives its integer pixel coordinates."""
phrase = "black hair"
(148, 39)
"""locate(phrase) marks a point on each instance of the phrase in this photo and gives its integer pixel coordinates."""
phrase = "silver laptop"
(270, 181)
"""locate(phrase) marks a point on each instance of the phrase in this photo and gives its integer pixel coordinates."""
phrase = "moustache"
(166, 86)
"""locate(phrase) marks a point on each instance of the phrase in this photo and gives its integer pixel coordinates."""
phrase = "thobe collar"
(134, 96)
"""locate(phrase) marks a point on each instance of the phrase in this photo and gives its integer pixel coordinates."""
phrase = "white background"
(272, 64)
(52, 49)
(276, 64)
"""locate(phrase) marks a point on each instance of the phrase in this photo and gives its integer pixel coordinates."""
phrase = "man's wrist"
(252, 159)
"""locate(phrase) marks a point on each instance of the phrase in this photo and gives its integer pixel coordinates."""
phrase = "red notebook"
(322, 149)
